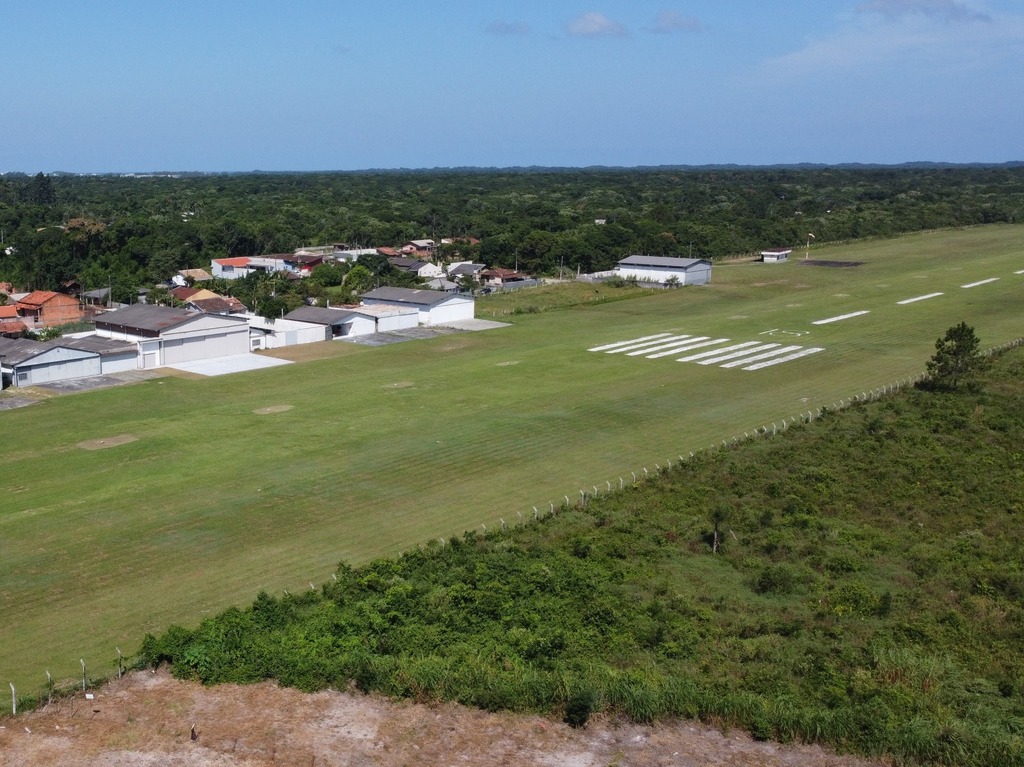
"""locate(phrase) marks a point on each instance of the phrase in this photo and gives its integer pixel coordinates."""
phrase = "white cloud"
(669, 22)
(594, 24)
(947, 10)
(509, 28)
(908, 33)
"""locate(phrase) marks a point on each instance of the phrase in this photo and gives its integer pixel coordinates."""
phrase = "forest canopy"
(132, 231)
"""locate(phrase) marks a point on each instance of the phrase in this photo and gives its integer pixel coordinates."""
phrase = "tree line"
(128, 232)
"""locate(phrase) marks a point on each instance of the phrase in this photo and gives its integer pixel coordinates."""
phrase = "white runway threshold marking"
(761, 356)
(788, 358)
(627, 343)
(919, 298)
(694, 343)
(734, 355)
(840, 317)
(750, 355)
(664, 343)
(980, 282)
(713, 352)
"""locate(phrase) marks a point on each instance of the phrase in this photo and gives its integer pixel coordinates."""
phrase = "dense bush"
(871, 596)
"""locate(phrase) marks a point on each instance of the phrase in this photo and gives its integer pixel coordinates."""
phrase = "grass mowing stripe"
(841, 317)
(699, 343)
(763, 356)
(980, 282)
(734, 355)
(789, 358)
(919, 298)
(626, 343)
(703, 355)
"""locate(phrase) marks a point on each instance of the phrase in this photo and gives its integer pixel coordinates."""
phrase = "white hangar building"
(434, 307)
(168, 336)
(688, 271)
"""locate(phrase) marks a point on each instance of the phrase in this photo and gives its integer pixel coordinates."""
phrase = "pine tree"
(957, 359)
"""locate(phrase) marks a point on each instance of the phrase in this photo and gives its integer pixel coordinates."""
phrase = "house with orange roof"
(45, 309)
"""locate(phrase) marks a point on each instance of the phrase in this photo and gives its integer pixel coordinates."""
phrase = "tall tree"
(957, 359)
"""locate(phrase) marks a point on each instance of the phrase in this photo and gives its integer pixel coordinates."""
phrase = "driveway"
(238, 363)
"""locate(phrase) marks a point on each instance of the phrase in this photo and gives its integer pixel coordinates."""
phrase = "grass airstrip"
(123, 510)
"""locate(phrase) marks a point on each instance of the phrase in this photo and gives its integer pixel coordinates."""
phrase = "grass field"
(380, 449)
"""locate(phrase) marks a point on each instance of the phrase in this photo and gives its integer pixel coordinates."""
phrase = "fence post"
(14, 700)
(82, 661)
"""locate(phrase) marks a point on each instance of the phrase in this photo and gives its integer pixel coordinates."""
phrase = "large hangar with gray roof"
(686, 271)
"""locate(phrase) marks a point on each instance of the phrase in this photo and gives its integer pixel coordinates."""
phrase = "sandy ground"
(146, 720)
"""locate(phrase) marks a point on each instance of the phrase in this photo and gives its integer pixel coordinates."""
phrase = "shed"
(775, 255)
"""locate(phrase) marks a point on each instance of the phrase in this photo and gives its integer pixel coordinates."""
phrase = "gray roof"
(406, 264)
(319, 315)
(145, 317)
(409, 296)
(14, 351)
(99, 344)
(663, 261)
(469, 269)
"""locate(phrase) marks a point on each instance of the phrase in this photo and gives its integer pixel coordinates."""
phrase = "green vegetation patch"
(856, 582)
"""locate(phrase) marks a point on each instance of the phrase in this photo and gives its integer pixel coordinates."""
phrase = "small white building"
(434, 307)
(775, 255)
(274, 334)
(661, 269)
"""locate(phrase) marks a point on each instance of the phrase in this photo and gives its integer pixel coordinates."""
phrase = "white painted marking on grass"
(840, 317)
(645, 344)
(763, 356)
(980, 282)
(702, 355)
(788, 358)
(703, 341)
(734, 355)
(1020, 272)
(675, 341)
(919, 298)
(626, 343)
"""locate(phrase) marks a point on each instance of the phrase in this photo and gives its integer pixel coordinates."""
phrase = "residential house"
(501, 278)
(421, 248)
(45, 309)
(422, 269)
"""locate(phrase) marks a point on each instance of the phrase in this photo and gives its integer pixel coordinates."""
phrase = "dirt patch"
(273, 409)
(100, 444)
(147, 719)
(832, 264)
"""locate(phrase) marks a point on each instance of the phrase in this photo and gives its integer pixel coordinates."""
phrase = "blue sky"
(235, 85)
